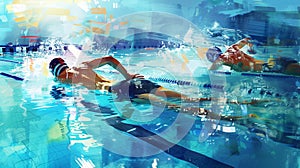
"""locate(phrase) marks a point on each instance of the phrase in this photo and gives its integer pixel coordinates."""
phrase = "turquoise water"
(47, 124)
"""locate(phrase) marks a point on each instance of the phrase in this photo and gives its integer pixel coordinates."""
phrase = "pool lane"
(145, 135)
(175, 150)
(8, 75)
(11, 76)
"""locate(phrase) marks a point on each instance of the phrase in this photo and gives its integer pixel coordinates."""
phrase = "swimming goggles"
(59, 68)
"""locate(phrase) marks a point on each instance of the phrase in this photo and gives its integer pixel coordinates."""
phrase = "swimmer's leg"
(204, 113)
(223, 100)
(163, 92)
(167, 93)
(195, 111)
(153, 99)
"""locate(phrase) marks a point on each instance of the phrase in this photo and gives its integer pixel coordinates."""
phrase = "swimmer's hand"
(132, 76)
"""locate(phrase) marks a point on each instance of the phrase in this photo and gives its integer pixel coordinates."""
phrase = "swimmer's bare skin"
(237, 59)
(86, 76)
(240, 61)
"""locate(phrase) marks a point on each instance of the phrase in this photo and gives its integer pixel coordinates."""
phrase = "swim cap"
(213, 53)
(57, 65)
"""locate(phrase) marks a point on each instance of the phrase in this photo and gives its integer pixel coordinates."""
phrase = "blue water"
(47, 124)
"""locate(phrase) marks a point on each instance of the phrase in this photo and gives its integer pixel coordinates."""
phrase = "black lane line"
(175, 150)
(11, 76)
(16, 62)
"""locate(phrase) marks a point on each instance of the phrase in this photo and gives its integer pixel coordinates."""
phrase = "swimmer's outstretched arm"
(96, 63)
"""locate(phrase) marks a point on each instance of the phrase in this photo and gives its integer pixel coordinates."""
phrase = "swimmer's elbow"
(212, 68)
(96, 63)
(215, 66)
(108, 58)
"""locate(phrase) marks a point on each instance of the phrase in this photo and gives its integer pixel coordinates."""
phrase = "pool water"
(47, 124)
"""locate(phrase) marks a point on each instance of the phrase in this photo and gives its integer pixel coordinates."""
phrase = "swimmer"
(239, 61)
(85, 75)
(134, 87)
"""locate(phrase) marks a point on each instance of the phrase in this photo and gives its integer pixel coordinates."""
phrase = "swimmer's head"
(213, 53)
(57, 65)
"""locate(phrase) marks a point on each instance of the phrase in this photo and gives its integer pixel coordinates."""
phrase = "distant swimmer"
(239, 61)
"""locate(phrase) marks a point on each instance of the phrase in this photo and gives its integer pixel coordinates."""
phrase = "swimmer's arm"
(216, 65)
(240, 44)
(96, 63)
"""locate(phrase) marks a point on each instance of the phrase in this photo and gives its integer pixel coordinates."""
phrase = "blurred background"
(29, 22)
